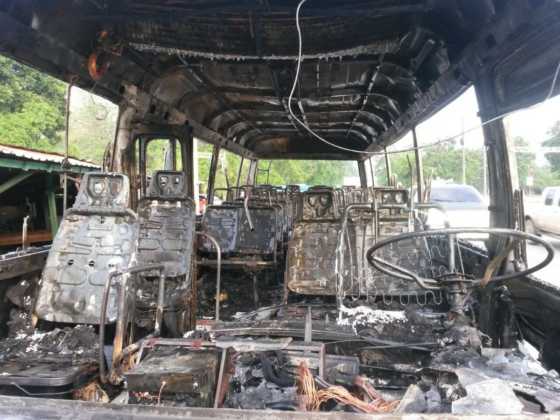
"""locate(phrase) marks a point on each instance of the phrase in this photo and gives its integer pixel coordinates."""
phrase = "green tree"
(92, 126)
(31, 106)
(443, 161)
(554, 141)
(399, 167)
(526, 164)
(545, 177)
(309, 172)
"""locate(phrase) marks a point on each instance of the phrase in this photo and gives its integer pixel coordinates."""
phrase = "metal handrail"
(105, 300)
(218, 269)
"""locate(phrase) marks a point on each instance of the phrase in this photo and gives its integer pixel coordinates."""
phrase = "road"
(535, 254)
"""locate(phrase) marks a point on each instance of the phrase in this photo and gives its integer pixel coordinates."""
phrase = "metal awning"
(13, 157)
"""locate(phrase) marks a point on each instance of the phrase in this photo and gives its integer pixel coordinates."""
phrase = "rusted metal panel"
(171, 370)
(97, 236)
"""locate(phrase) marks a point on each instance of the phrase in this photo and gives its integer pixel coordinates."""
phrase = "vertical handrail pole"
(419, 168)
(218, 270)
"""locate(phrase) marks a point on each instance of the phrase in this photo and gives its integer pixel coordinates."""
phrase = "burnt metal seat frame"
(248, 262)
(124, 293)
(177, 263)
(89, 205)
(372, 205)
(374, 208)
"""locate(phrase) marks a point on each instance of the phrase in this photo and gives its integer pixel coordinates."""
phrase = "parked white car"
(544, 217)
(464, 205)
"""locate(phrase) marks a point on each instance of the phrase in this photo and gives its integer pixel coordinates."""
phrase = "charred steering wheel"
(454, 277)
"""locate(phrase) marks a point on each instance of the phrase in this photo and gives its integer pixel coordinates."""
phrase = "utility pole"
(372, 171)
(463, 159)
(388, 168)
(484, 171)
(419, 169)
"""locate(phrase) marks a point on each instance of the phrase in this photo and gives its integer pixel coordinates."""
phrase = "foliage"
(32, 114)
(544, 177)
(526, 164)
(92, 126)
(443, 161)
(554, 141)
(309, 172)
(31, 107)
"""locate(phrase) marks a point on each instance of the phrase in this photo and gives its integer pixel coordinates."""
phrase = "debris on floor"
(491, 396)
(91, 392)
(176, 373)
(80, 342)
(313, 398)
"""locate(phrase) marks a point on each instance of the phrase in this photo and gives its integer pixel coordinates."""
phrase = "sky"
(532, 124)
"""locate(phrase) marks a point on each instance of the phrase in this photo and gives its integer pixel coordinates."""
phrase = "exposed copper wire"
(160, 391)
(312, 398)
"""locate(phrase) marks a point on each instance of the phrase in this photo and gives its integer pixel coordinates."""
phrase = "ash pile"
(48, 361)
(79, 343)
(26, 343)
(295, 358)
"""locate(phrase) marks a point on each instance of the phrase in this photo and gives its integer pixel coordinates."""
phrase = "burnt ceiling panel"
(370, 68)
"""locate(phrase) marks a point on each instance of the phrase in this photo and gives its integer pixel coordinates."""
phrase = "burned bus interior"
(277, 297)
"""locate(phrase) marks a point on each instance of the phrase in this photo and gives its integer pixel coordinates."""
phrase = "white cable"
(410, 149)
(296, 78)
(554, 80)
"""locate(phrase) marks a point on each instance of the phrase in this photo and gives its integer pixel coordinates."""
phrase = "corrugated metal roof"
(38, 156)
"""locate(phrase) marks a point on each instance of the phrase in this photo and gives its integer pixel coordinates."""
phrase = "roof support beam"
(168, 12)
(476, 58)
(12, 182)
(361, 129)
(360, 138)
(328, 128)
(365, 122)
(383, 105)
(378, 123)
(276, 84)
(204, 84)
(365, 97)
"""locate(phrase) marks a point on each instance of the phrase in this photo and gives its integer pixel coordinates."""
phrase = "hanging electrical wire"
(410, 149)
